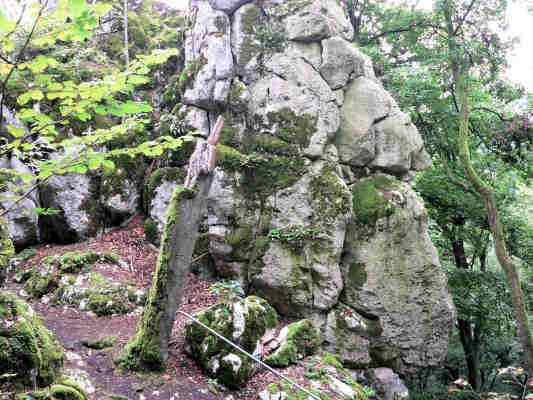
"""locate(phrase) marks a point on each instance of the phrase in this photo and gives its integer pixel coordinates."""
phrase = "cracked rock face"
(311, 206)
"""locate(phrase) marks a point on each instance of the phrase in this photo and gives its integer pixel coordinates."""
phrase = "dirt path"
(72, 327)
(182, 379)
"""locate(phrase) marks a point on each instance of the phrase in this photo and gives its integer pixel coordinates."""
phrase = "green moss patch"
(101, 343)
(46, 278)
(41, 283)
(65, 389)
(302, 340)
(113, 302)
(295, 237)
(269, 158)
(369, 203)
(330, 194)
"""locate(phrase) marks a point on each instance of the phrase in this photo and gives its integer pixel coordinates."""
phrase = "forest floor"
(182, 378)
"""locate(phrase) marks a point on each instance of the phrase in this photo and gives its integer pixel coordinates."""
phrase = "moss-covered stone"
(26, 345)
(101, 343)
(330, 194)
(113, 302)
(41, 283)
(243, 322)
(369, 203)
(302, 340)
(266, 174)
(64, 392)
(291, 127)
(76, 261)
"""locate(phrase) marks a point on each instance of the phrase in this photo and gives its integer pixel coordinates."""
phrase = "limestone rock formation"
(311, 207)
(392, 274)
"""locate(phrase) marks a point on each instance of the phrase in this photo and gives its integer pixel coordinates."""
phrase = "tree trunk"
(470, 347)
(148, 350)
(485, 192)
(6, 250)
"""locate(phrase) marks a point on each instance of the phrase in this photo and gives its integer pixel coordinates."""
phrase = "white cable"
(257, 360)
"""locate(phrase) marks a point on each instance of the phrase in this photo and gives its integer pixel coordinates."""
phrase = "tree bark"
(148, 350)
(485, 192)
(466, 333)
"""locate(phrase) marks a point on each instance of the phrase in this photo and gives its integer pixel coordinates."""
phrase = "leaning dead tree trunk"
(148, 350)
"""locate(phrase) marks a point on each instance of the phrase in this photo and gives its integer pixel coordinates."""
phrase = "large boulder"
(342, 62)
(22, 219)
(75, 201)
(299, 268)
(392, 275)
(375, 133)
(244, 322)
(310, 21)
(27, 349)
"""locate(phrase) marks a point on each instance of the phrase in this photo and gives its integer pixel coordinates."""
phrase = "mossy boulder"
(109, 302)
(392, 276)
(329, 380)
(41, 282)
(244, 322)
(74, 261)
(54, 273)
(65, 389)
(96, 293)
(298, 340)
(26, 345)
(101, 343)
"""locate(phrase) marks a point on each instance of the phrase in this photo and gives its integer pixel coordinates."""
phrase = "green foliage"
(61, 85)
(483, 297)
(151, 231)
